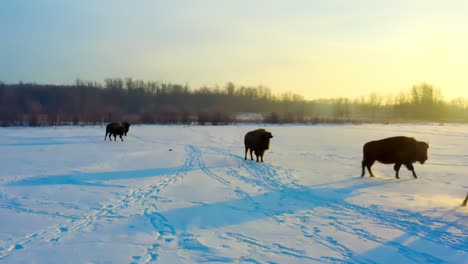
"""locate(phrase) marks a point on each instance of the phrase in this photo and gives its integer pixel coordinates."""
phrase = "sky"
(319, 49)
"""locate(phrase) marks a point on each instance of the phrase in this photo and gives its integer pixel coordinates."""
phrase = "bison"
(114, 129)
(466, 200)
(394, 150)
(257, 141)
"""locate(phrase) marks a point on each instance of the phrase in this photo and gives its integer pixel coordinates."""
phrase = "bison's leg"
(257, 155)
(369, 165)
(105, 135)
(363, 168)
(115, 137)
(246, 149)
(396, 167)
(251, 157)
(466, 200)
(410, 167)
(121, 137)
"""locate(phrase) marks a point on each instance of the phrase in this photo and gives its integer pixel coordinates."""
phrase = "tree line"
(149, 102)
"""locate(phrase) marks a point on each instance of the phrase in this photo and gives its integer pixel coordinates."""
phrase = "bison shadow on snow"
(394, 150)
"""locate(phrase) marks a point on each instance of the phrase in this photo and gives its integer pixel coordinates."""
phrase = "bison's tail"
(365, 151)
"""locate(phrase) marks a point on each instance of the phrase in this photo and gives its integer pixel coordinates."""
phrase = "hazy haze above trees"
(319, 49)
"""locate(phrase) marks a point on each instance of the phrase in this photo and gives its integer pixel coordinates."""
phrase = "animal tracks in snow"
(289, 204)
(214, 206)
(54, 233)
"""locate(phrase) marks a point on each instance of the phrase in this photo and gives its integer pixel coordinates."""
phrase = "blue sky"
(314, 48)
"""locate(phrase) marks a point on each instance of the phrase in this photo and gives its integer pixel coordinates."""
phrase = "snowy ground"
(177, 194)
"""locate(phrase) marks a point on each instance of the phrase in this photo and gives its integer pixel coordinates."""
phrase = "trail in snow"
(326, 222)
(294, 194)
(54, 233)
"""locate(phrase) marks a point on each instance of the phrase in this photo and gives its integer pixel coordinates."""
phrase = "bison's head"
(422, 152)
(126, 126)
(266, 139)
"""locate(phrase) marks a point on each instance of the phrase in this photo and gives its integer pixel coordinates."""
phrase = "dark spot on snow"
(18, 246)
(154, 256)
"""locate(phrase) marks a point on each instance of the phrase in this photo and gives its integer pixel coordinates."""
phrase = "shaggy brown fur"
(257, 141)
(114, 129)
(395, 150)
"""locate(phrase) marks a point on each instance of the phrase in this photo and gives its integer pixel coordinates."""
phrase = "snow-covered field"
(184, 194)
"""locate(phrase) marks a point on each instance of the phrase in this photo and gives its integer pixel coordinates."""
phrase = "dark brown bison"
(394, 150)
(114, 129)
(466, 200)
(257, 141)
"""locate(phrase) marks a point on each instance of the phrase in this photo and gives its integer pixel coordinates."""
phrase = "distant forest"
(147, 102)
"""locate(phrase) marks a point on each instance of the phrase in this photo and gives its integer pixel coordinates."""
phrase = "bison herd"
(398, 150)
(394, 150)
